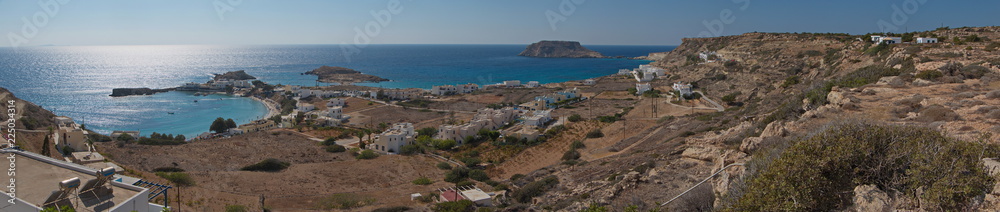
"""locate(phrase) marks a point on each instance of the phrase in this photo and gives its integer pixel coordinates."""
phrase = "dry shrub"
(937, 113)
(971, 102)
(966, 95)
(993, 94)
(986, 109)
(995, 114)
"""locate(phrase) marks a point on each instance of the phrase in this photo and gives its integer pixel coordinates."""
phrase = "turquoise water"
(75, 81)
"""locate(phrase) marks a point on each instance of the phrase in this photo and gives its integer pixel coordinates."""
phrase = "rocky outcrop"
(870, 198)
(117, 92)
(234, 75)
(568, 49)
(332, 74)
(29, 115)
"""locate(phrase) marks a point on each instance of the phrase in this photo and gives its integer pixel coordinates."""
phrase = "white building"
(305, 107)
(705, 56)
(641, 76)
(512, 83)
(442, 90)
(489, 119)
(531, 84)
(69, 134)
(393, 139)
(44, 182)
(538, 118)
(468, 88)
(878, 39)
(927, 40)
(684, 89)
(624, 71)
(650, 69)
(589, 82)
(336, 102)
(642, 88)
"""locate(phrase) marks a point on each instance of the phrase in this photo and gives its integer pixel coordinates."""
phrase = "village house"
(393, 139)
(538, 118)
(333, 116)
(69, 134)
(642, 88)
(468, 88)
(624, 71)
(589, 82)
(531, 84)
(258, 125)
(512, 83)
(471, 193)
(525, 132)
(336, 102)
(684, 89)
(706, 56)
(489, 119)
(927, 40)
(641, 76)
(304, 107)
(650, 69)
(534, 105)
(443, 90)
(878, 39)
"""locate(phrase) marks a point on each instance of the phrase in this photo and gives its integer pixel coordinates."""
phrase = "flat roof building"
(43, 182)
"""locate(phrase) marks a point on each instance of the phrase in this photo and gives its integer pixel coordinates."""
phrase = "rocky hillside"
(234, 75)
(29, 116)
(332, 74)
(570, 49)
(786, 94)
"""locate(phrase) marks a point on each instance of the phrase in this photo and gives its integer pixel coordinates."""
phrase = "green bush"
(929, 74)
(444, 144)
(819, 170)
(465, 183)
(423, 181)
(456, 175)
(596, 133)
(791, 80)
(410, 149)
(344, 201)
(367, 154)
(267, 165)
(571, 154)
(575, 118)
(444, 165)
(329, 141)
(470, 162)
(577, 145)
(168, 169)
(478, 175)
(731, 97)
(335, 148)
(393, 209)
(534, 189)
(456, 206)
(236, 208)
(178, 178)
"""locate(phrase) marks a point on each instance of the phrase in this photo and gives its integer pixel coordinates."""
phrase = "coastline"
(272, 107)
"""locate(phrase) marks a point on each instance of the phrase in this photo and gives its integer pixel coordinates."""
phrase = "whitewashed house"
(336, 102)
(305, 107)
(927, 40)
(684, 89)
(512, 83)
(642, 88)
(650, 69)
(878, 39)
(624, 71)
(641, 76)
(538, 118)
(442, 90)
(468, 88)
(393, 139)
(531, 84)
(589, 82)
(69, 134)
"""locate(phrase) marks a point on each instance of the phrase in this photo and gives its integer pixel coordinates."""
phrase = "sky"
(592, 22)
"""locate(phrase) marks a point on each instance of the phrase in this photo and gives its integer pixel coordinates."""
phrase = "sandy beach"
(272, 107)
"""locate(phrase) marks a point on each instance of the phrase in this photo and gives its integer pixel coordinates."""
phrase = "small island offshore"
(332, 74)
(567, 49)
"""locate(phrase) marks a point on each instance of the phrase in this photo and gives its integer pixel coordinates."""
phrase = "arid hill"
(234, 75)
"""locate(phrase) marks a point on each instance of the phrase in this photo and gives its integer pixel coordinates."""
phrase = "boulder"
(774, 129)
(922, 82)
(750, 144)
(701, 153)
(870, 198)
(893, 81)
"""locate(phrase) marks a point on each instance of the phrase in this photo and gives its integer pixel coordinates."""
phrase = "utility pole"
(261, 202)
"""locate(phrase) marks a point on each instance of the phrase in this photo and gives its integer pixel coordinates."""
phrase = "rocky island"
(566, 49)
(336, 74)
(234, 75)
(117, 92)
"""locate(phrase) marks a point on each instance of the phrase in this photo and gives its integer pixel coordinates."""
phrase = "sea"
(76, 81)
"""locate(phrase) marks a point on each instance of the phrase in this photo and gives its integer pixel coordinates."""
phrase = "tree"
(180, 138)
(478, 175)
(219, 125)
(428, 131)
(455, 206)
(230, 124)
(575, 118)
(45, 144)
